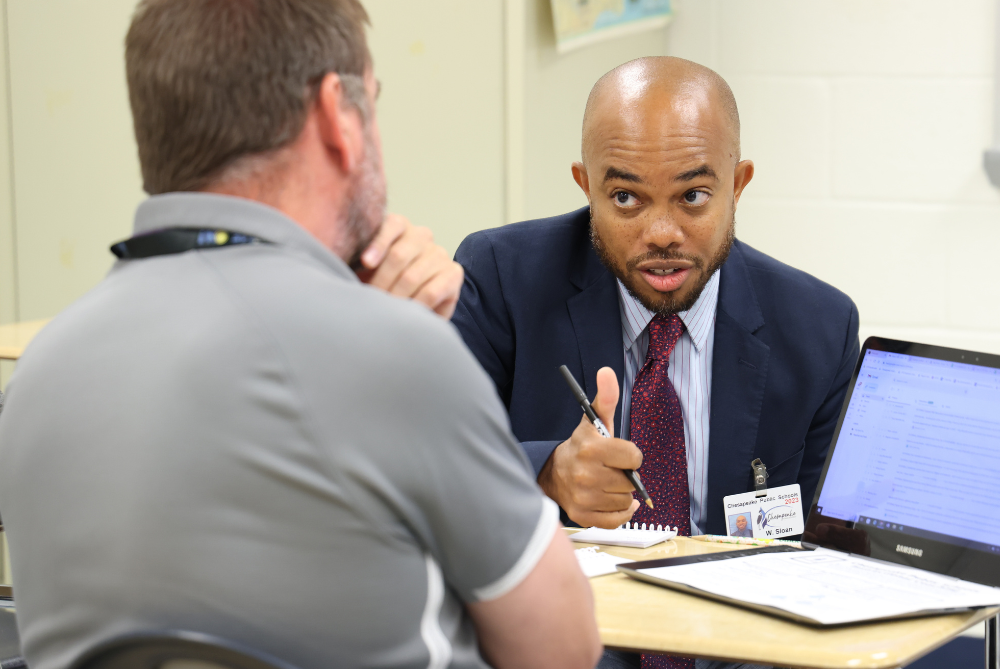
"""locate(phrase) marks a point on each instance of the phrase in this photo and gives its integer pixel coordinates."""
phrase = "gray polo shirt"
(248, 442)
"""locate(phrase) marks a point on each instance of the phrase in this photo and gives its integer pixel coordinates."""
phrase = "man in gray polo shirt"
(241, 438)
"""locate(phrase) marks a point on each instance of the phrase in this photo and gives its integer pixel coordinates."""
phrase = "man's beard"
(664, 303)
(365, 210)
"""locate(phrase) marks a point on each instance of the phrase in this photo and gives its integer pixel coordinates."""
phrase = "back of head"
(214, 81)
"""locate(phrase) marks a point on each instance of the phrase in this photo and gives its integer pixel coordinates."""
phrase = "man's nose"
(663, 231)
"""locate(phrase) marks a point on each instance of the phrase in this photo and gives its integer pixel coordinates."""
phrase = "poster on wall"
(582, 22)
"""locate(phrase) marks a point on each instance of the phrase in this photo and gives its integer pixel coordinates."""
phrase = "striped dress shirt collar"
(698, 321)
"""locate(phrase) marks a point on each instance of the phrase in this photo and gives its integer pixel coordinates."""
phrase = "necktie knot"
(664, 331)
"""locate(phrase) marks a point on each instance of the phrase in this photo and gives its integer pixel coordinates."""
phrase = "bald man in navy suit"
(762, 366)
(765, 352)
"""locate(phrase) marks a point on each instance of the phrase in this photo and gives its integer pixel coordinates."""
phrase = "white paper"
(594, 563)
(830, 587)
(622, 537)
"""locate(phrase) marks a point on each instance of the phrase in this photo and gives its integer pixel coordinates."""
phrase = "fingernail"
(370, 256)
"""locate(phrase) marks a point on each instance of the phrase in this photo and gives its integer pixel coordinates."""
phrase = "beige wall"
(463, 83)
(76, 178)
(8, 274)
(867, 120)
(8, 307)
(479, 121)
(480, 117)
(555, 93)
(441, 114)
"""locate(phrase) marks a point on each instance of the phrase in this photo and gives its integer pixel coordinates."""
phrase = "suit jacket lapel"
(596, 318)
(739, 375)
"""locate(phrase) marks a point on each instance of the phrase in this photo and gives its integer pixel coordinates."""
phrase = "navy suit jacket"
(536, 296)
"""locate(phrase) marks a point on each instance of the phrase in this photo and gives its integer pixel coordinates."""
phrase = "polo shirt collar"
(234, 214)
(697, 320)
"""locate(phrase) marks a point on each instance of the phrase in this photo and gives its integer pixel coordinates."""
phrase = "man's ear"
(581, 179)
(741, 177)
(341, 127)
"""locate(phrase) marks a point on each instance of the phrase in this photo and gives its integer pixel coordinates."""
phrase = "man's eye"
(696, 197)
(625, 199)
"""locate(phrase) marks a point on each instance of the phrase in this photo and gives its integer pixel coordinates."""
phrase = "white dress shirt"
(690, 372)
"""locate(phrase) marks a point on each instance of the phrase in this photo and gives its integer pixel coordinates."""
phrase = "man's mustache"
(663, 254)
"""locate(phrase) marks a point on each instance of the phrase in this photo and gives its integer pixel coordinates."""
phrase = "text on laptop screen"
(919, 450)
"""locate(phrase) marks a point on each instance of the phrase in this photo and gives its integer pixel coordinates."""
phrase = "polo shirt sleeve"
(441, 457)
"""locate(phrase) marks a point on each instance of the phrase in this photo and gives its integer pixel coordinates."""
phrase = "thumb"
(607, 397)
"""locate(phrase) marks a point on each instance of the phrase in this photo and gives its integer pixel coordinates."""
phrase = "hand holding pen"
(585, 473)
(581, 397)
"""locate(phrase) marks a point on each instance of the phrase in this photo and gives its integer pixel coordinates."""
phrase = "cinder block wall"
(867, 121)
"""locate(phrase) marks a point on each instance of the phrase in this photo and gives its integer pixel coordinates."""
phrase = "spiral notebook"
(627, 535)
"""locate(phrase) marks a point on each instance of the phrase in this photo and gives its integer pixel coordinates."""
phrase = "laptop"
(908, 500)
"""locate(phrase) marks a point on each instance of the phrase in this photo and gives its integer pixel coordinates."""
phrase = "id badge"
(774, 516)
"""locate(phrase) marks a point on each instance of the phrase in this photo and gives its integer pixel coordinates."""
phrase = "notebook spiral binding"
(635, 526)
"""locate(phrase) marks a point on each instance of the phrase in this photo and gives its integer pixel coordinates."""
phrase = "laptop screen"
(914, 467)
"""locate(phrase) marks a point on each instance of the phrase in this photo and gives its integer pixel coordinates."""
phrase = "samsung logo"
(918, 552)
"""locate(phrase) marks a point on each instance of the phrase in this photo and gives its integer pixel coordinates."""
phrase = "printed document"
(828, 587)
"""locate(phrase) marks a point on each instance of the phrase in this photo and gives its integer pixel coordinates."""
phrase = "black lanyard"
(179, 240)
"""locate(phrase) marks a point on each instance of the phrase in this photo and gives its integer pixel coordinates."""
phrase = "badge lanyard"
(179, 240)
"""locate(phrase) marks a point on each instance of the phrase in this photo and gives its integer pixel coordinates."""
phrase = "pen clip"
(760, 477)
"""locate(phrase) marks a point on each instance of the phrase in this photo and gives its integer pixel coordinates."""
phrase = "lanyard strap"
(179, 240)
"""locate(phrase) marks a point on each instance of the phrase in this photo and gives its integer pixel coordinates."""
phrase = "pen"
(581, 397)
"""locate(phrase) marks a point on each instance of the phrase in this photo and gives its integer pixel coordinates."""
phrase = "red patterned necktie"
(656, 426)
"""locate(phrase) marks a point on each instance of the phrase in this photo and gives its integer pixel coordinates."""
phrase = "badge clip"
(759, 477)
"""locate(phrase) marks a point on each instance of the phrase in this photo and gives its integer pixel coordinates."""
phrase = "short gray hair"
(214, 81)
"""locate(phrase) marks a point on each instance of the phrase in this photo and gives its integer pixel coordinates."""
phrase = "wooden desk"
(637, 616)
(15, 337)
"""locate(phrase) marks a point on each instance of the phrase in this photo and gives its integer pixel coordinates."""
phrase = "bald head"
(663, 175)
(663, 85)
